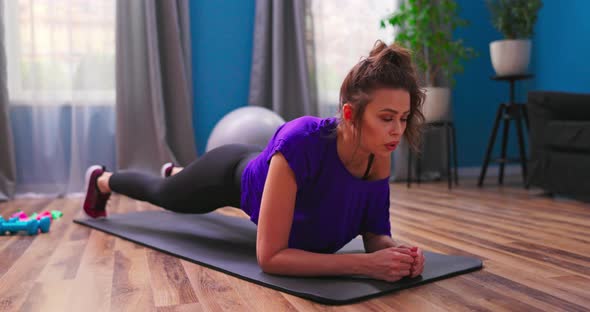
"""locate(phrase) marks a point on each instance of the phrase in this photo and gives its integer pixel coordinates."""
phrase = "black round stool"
(451, 143)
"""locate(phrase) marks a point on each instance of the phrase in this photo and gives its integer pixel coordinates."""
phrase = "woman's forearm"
(297, 262)
(380, 242)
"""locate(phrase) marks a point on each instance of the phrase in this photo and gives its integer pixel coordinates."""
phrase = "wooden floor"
(536, 253)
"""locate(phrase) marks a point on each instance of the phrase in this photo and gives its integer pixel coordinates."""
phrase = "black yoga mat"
(228, 244)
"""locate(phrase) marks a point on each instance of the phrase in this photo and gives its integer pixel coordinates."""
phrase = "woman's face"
(384, 121)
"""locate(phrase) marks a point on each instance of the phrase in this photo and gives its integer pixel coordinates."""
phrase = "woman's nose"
(396, 128)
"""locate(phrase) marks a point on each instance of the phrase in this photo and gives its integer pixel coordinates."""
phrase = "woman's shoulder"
(310, 123)
(306, 128)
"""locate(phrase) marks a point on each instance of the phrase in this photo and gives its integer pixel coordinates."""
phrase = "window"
(344, 31)
(60, 51)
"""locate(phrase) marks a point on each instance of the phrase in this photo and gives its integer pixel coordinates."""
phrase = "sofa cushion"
(563, 173)
(568, 135)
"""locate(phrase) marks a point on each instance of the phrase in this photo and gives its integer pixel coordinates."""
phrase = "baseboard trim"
(492, 171)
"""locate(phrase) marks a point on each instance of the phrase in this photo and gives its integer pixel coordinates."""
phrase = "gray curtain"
(154, 84)
(281, 74)
(7, 163)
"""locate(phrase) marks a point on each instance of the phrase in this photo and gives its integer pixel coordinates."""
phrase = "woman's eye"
(391, 119)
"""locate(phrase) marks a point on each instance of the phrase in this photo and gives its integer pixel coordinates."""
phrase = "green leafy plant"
(426, 27)
(515, 19)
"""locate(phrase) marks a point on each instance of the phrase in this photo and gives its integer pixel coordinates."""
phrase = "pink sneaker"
(95, 202)
(166, 170)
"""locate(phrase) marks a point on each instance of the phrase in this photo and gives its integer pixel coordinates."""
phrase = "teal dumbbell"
(10, 220)
(44, 224)
(17, 226)
(31, 226)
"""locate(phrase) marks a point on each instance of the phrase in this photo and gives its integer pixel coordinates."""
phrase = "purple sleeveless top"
(332, 206)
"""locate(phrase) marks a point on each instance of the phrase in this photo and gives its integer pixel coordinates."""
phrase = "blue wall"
(561, 46)
(222, 34)
(475, 96)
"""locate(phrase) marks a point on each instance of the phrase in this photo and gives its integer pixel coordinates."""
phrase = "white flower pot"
(510, 57)
(437, 105)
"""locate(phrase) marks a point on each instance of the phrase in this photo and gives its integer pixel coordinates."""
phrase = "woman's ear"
(347, 112)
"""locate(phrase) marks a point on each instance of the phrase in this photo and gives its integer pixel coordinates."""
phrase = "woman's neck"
(351, 155)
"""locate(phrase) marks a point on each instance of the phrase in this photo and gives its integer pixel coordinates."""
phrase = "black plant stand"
(451, 143)
(507, 112)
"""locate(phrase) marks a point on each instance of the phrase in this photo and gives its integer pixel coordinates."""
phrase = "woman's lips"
(391, 146)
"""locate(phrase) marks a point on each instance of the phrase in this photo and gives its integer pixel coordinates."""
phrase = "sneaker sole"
(87, 181)
(163, 169)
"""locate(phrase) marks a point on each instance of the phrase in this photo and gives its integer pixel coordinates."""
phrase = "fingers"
(405, 258)
(410, 250)
(419, 252)
(416, 272)
(393, 278)
(418, 265)
(410, 262)
(401, 254)
(402, 250)
(405, 246)
(417, 256)
(397, 275)
(404, 272)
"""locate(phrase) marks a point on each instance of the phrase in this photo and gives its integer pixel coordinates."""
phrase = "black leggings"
(210, 182)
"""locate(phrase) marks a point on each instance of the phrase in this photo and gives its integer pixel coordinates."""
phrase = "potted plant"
(425, 27)
(515, 19)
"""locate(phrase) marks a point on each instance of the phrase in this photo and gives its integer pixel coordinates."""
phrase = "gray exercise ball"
(246, 125)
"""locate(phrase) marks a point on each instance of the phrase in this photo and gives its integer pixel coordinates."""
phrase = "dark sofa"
(560, 143)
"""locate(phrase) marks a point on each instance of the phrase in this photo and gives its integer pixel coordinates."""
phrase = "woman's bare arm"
(375, 242)
(274, 226)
